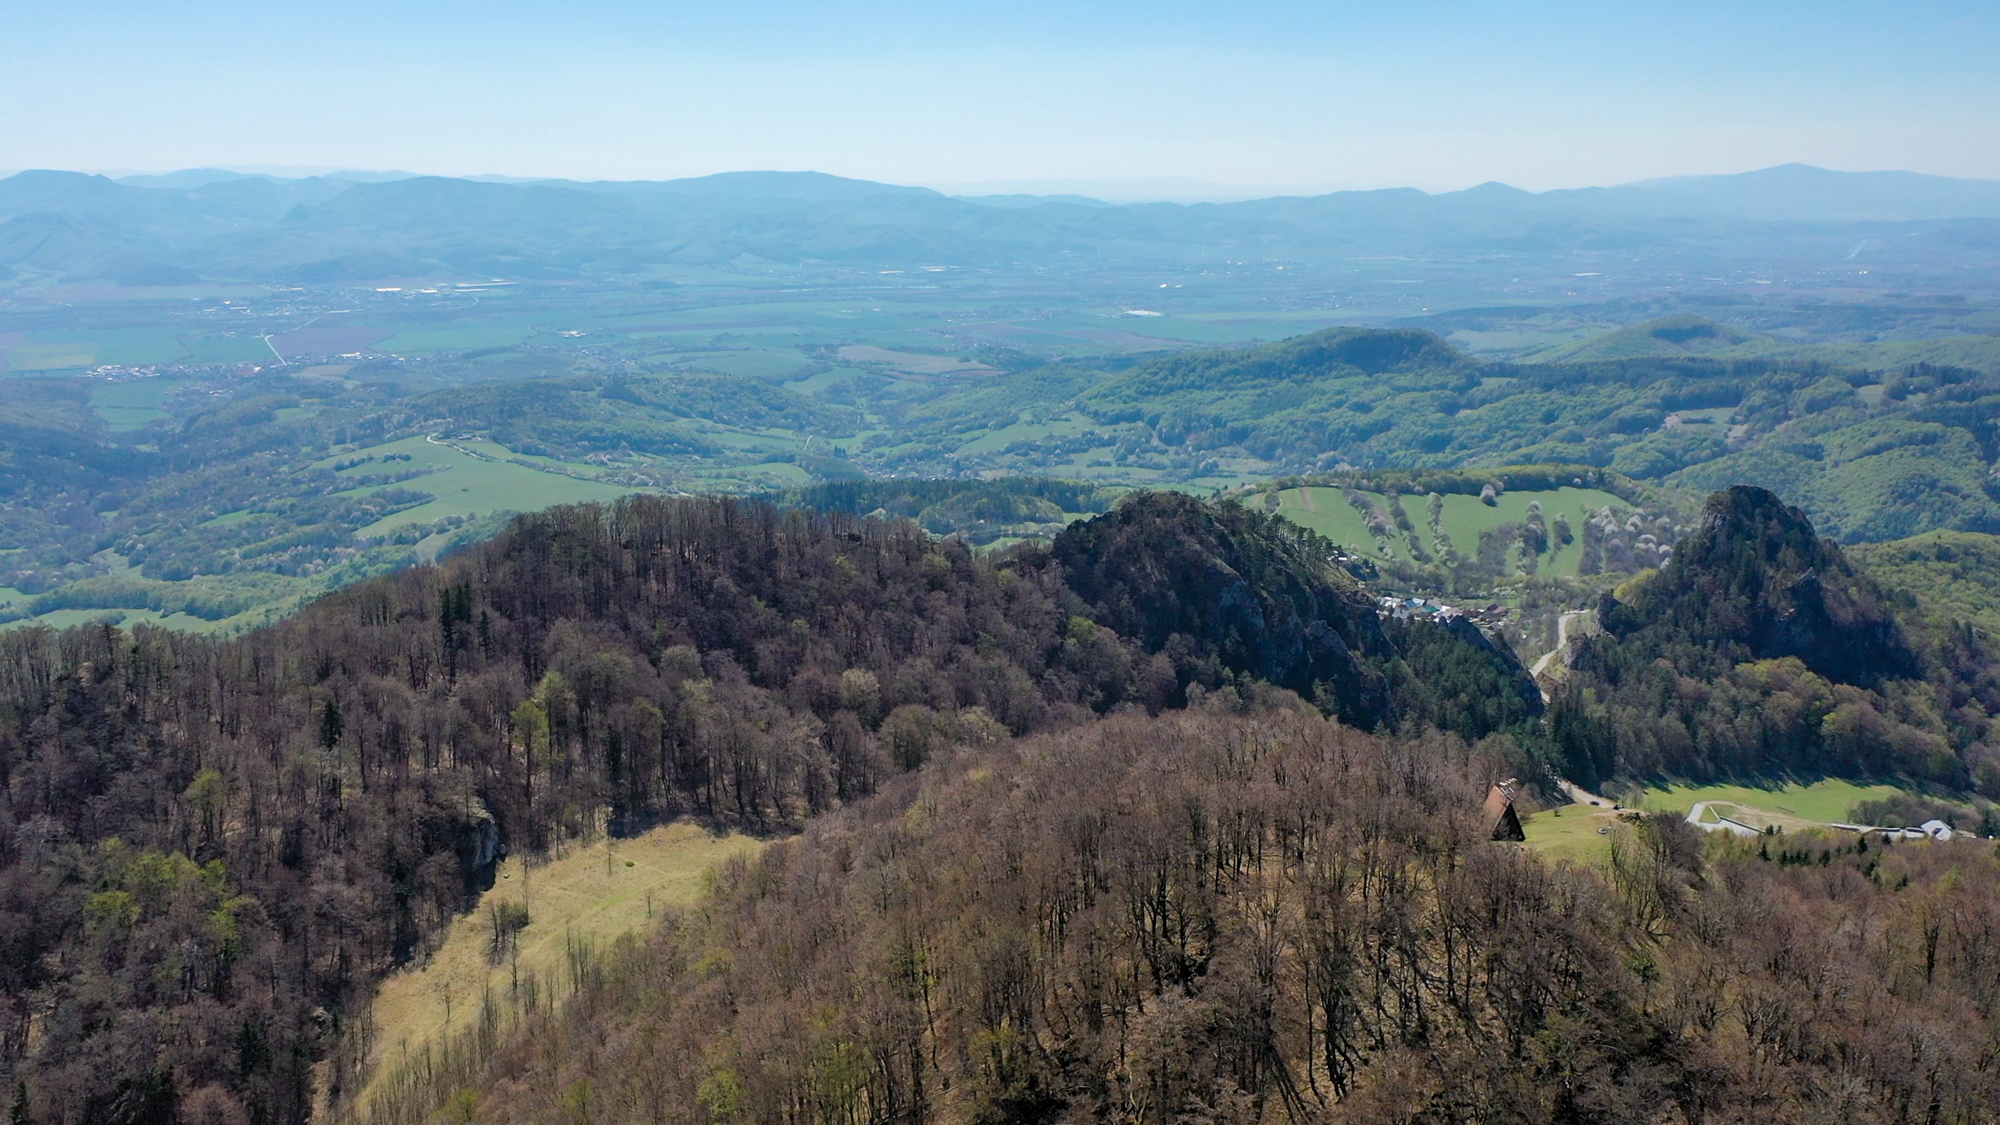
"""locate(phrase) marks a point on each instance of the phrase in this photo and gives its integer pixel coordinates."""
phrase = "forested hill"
(1243, 920)
(1756, 583)
(1273, 605)
(213, 849)
(1761, 650)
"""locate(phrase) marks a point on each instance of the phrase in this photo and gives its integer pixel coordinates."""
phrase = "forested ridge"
(212, 849)
(1157, 822)
(1760, 651)
(1247, 918)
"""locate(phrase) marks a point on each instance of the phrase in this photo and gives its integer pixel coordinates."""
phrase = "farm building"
(1499, 812)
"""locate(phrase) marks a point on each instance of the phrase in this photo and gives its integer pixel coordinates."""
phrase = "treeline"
(1484, 482)
(907, 498)
(1246, 918)
(211, 850)
(980, 511)
(577, 416)
(1763, 651)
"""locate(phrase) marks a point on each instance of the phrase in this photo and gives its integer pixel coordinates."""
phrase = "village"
(1431, 609)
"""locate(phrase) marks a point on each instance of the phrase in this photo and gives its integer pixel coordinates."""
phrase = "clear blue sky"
(1429, 93)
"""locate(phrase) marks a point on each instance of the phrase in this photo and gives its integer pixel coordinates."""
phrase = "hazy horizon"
(1437, 96)
(1114, 191)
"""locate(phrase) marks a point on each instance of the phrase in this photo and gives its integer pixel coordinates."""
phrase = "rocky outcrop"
(1755, 582)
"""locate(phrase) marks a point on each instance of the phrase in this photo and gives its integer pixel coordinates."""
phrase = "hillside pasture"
(1825, 801)
(590, 896)
(129, 405)
(470, 478)
(1327, 511)
(1577, 833)
(1583, 834)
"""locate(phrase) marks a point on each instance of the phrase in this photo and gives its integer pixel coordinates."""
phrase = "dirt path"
(1584, 796)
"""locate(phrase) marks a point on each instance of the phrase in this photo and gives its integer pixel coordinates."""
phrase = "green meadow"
(1828, 800)
(495, 480)
(1582, 834)
(1572, 832)
(1327, 511)
(130, 405)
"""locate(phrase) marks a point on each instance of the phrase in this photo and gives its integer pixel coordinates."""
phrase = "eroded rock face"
(1755, 582)
(480, 846)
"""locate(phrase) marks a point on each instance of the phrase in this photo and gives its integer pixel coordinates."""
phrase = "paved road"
(1563, 624)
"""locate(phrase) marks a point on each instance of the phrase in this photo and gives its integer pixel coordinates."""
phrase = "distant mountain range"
(348, 226)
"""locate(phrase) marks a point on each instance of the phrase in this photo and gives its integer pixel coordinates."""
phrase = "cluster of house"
(1431, 609)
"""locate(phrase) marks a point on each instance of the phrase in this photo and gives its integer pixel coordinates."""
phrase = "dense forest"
(1953, 574)
(213, 848)
(1209, 916)
(1762, 651)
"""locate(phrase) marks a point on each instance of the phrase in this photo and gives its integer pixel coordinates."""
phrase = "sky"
(1022, 95)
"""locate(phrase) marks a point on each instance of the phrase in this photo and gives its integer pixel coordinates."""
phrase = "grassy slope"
(1669, 337)
(572, 897)
(465, 485)
(1327, 511)
(1826, 800)
(1573, 831)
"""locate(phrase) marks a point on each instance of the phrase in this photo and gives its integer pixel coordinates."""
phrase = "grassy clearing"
(1579, 833)
(756, 363)
(576, 896)
(1327, 511)
(467, 485)
(1572, 832)
(1825, 801)
(126, 618)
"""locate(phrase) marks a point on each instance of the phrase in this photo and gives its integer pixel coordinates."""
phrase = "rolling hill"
(323, 229)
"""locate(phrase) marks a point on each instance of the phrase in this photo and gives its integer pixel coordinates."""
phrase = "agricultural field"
(729, 323)
(589, 897)
(131, 405)
(1464, 518)
(472, 478)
